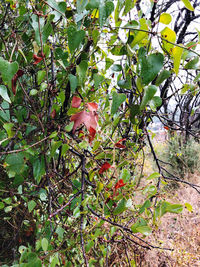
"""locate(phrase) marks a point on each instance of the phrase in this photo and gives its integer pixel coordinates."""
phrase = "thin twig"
(64, 206)
(24, 149)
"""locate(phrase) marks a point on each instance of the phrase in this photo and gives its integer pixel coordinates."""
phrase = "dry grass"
(180, 232)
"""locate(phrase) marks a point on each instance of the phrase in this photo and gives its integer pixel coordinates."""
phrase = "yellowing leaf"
(188, 5)
(177, 53)
(140, 35)
(165, 18)
(170, 37)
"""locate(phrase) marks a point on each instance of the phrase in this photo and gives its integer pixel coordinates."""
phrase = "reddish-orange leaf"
(92, 106)
(104, 167)
(89, 119)
(53, 114)
(36, 59)
(92, 134)
(119, 184)
(14, 80)
(166, 127)
(76, 101)
(119, 145)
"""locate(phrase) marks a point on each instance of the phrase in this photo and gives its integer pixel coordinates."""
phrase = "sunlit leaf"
(188, 5)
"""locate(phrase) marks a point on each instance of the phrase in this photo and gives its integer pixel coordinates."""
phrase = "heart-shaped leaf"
(74, 38)
(118, 99)
(150, 67)
(8, 70)
(148, 95)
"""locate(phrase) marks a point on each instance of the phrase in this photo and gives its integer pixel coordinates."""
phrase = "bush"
(183, 156)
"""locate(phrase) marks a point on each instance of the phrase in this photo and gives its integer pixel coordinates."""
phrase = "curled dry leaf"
(14, 80)
(119, 145)
(104, 167)
(76, 101)
(37, 59)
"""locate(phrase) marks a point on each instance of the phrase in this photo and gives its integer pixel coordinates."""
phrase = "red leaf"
(14, 80)
(166, 127)
(37, 59)
(92, 106)
(87, 118)
(76, 101)
(53, 114)
(119, 145)
(92, 134)
(119, 184)
(104, 167)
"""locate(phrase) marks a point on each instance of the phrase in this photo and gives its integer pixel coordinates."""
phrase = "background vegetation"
(80, 84)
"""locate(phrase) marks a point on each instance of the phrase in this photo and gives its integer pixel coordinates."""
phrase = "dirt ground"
(180, 232)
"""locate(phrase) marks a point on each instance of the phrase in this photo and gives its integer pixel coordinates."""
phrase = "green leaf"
(140, 35)
(155, 102)
(82, 70)
(38, 169)
(146, 205)
(89, 245)
(4, 111)
(148, 95)
(15, 162)
(117, 67)
(129, 4)
(4, 94)
(145, 230)
(31, 205)
(54, 146)
(134, 110)
(99, 187)
(81, 4)
(118, 99)
(109, 62)
(98, 79)
(121, 207)
(93, 4)
(69, 127)
(189, 207)
(46, 31)
(44, 244)
(8, 209)
(7, 200)
(177, 53)
(8, 70)
(165, 18)
(192, 64)
(150, 67)
(154, 176)
(40, 75)
(74, 38)
(165, 74)
(105, 10)
(73, 82)
(2, 205)
(168, 35)
(188, 5)
(8, 127)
